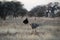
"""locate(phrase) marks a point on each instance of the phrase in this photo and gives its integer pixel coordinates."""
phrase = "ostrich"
(25, 21)
(34, 26)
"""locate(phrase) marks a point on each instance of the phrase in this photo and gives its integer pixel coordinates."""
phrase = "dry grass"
(14, 29)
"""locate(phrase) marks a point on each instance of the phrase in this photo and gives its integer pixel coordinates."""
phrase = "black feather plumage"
(34, 25)
(25, 21)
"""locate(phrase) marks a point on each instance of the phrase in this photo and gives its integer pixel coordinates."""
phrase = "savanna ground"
(14, 29)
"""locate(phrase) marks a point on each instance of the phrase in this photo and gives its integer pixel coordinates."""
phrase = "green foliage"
(11, 8)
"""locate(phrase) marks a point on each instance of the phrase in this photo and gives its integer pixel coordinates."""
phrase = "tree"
(11, 8)
(58, 14)
(38, 11)
(52, 7)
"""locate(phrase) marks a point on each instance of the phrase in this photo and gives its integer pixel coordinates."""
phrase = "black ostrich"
(26, 21)
(34, 26)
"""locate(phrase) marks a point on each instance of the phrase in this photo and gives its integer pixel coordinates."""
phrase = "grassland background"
(14, 29)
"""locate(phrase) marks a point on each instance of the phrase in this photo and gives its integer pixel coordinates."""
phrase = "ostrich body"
(34, 26)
